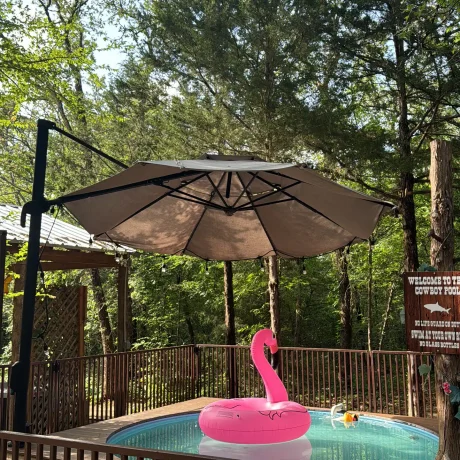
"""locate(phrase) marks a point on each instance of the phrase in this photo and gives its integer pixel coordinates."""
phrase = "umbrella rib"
(257, 214)
(155, 201)
(263, 204)
(274, 192)
(216, 189)
(305, 205)
(199, 221)
(154, 181)
(202, 203)
(196, 199)
(245, 188)
(363, 196)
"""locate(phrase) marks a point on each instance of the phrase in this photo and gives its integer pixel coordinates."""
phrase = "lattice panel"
(56, 386)
(57, 320)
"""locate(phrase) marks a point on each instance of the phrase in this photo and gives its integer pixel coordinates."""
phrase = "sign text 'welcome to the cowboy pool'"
(432, 306)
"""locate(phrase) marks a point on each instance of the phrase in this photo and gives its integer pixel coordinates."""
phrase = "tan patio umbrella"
(225, 208)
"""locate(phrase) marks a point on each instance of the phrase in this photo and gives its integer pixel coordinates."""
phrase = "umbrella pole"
(21, 369)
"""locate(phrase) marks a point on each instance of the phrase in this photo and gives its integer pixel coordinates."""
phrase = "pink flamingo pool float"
(257, 420)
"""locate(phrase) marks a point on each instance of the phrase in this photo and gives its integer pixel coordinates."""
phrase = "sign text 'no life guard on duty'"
(432, 307)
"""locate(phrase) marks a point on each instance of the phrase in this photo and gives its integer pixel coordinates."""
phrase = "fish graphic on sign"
(436, 307)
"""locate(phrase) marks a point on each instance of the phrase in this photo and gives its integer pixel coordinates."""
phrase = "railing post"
(197, 354)
(371, 382)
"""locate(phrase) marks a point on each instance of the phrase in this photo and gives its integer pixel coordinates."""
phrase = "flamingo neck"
(273, 386)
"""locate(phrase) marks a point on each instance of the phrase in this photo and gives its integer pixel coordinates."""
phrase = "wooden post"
(122, 303)
(16, 331)
(120, 389)
(442, 257)
(82, 303)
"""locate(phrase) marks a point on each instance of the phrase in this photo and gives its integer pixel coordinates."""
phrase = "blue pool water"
(370, 439)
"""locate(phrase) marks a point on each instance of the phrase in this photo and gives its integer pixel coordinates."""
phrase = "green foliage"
(424, 369)
(316, 82)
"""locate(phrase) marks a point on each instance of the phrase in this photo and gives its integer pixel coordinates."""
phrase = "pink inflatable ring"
(257, 420)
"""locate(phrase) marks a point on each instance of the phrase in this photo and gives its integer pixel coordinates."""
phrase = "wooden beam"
(50, 266)
(51, 254)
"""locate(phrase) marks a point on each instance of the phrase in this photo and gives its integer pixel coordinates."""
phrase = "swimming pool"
(369, 439)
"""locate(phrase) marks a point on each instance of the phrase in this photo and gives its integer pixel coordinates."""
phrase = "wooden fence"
(72, 392)
(31, 447)
(378, 381)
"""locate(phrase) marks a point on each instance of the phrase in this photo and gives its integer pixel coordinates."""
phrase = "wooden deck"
(98, 432)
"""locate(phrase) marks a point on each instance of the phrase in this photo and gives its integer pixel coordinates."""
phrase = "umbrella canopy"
(225, 208)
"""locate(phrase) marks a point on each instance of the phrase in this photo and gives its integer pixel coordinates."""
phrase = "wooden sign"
(432, 307)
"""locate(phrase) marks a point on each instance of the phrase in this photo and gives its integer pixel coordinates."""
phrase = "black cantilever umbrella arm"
(21, 369)
(35, 208)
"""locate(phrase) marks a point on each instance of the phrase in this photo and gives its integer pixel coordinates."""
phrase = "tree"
(384, 52)
(442, 257)
(344, 299)
(250, 60)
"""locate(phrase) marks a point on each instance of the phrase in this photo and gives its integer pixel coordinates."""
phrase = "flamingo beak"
(275, 356)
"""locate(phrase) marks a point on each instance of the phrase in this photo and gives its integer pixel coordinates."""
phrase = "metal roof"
(54, 232)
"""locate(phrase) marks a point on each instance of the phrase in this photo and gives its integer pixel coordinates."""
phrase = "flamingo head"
(273, 345)
(268, 339)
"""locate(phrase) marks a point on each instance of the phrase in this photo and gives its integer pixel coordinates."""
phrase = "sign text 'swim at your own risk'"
(432, 307)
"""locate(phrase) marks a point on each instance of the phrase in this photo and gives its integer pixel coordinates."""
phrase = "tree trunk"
(273, 289)
(344, 299)
(230, 337)
(447, 367)
(387, 313)
(188, 321)
(101, 305)
(411, 262)
(369, 296)
(298, 317)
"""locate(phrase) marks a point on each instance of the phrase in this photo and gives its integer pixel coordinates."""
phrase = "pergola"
(63, 246)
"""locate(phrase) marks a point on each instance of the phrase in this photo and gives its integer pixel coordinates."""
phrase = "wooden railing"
(30, 447)
(72, 392)
(380, 381)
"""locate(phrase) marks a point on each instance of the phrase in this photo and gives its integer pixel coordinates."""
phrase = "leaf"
(424, 369)
(455, 395)
(426, 268)
(457, 415)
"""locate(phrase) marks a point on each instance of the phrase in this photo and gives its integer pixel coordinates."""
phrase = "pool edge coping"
(317, 409)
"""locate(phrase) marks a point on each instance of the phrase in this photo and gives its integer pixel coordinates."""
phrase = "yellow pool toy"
(348, 417)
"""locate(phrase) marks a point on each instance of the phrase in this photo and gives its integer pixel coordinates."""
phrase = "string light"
(163, 266)
(207, 268)
(304, 268)
(262, 268)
